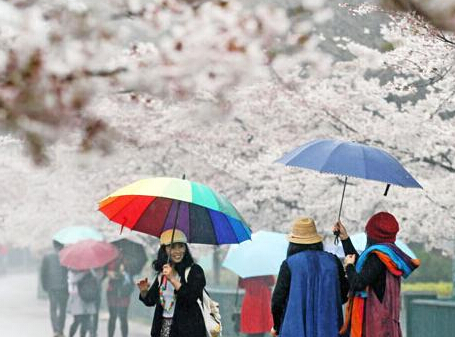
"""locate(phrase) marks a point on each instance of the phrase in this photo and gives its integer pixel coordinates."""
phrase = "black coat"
(373, 272)
(187, 320)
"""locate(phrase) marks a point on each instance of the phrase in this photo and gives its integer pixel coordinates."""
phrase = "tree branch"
(443, 38)
(338, 119)
(430, 160)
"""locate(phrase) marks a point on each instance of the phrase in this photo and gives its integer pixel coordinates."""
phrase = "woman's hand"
(112, 274)
(273, 332)
(340, 228)
(143, 286)
(349, 259)
(169, 273)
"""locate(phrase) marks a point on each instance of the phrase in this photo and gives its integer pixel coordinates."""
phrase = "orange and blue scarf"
(396, 261)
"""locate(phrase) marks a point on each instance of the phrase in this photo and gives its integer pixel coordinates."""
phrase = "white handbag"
(210, 310)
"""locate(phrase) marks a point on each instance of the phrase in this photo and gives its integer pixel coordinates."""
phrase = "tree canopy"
(96, 95)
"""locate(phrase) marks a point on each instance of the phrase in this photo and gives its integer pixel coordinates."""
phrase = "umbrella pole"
(337, 233)
(173, 229)
(175, 225)
(342, 197)
(172, 240)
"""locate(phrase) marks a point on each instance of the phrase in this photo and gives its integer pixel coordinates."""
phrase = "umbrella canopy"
(261, 256)
(359, 240)
(350, 159)
(75, 234)
(154, 205)
(88, 254)
(133, 254)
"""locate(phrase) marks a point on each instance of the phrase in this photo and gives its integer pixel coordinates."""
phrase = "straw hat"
(166, 237)
(304, 232)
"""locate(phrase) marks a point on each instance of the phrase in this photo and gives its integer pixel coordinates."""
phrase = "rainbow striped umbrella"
(154, 205)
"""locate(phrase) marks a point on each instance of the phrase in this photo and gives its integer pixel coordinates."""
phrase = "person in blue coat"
(310, 289)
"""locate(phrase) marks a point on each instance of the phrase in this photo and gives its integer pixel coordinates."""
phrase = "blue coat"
(314, 303)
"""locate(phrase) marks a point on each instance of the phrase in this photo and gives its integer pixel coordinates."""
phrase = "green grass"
(441, 288)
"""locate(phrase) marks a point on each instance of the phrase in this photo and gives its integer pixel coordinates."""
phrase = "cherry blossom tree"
(439, 13)
(223, 116)
(57, 56)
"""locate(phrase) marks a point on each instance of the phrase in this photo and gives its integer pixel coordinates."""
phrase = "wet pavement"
(22, 314)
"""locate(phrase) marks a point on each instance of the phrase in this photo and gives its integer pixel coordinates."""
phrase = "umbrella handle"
(336, 241)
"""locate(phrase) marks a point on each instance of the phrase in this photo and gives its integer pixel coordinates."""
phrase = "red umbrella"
(88, 254)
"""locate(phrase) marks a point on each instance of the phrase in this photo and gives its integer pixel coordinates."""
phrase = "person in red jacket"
(255, 315)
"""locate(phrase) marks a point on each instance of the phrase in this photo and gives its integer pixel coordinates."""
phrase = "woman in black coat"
(175, 290)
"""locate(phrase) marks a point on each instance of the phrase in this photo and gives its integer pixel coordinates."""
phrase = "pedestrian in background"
(310, 289)
(54, 280)
(255, 314)
(100, 274)
(81, 309)
(119, 290)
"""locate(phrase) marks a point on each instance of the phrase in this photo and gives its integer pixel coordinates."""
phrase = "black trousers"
(122, 314)
(85, 321)
(95, 318)
(57, 302)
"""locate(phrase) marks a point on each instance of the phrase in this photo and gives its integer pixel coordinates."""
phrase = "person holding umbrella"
(119, 290)
(375, 278)
(54, 281)
(85, 260)
(175, 294)
(310, 289)
(81, 309)
(178, 211)
(256, 262)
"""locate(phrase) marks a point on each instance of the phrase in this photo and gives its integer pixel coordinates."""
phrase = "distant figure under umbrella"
(84, 292)
(119, 290)
(100, 274)
(310, 289)
(54, 281)
(375, 279)
(86, 260)
(255, 315)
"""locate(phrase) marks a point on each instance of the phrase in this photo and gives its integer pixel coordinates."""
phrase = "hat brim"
(168, 242)
(305, 240)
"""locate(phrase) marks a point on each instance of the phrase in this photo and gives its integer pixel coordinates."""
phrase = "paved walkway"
(22, 314)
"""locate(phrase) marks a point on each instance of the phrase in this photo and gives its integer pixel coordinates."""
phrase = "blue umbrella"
(75, 234)
(261, 256)
(350, 159)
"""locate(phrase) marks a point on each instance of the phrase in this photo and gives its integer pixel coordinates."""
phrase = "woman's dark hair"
(161, 260)
(295, 248)
(57, 245)
(370, 242)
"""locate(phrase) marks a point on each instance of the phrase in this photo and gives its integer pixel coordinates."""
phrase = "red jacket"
(255, 316)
